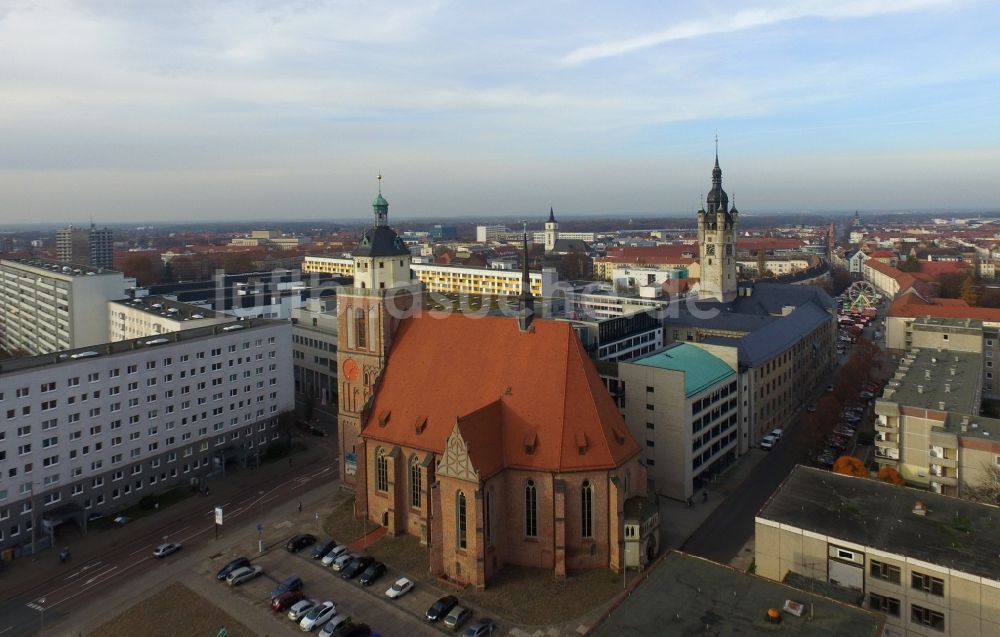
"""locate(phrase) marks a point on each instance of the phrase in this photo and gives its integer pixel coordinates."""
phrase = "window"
(360, 329)
(530, 509)
(887, 605)
(488, 516)
(381, 470)
(885, 572)
(587, 509)
(460, 520)
(415, 485)
(926, 583)
(927, 617)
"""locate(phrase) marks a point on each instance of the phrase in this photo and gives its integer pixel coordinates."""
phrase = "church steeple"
(526, 301)
(380, 206)
(717, 241)
(552, 215)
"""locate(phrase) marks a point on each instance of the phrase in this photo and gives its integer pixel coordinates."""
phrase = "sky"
(154, 110)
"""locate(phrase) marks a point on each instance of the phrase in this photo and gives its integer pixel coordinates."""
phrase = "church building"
(491, 439)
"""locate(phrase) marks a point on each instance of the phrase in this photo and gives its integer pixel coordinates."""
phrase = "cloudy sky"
(177, 109)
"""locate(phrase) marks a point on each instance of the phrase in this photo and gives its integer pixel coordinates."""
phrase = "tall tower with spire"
(551, 231)
(717, 241)
(526, 301)
(368, 314)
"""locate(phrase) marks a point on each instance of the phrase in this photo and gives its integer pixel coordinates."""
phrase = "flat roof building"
(928, 562)
(153, 315)
(47, 306)
(688, 595)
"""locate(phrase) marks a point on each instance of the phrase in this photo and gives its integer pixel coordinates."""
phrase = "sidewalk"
(24, 573)
(678, 521)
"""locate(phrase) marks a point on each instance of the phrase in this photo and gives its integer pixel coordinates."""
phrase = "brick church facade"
(491, 439)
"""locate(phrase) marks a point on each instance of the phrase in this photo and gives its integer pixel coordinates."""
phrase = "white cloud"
(746, 19)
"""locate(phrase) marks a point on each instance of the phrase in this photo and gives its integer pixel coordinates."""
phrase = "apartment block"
(92, 431)
(928, 425)
(154, 315)
(925, 561)
(47, 306)
(93, 247)
(682, 406)
(314, 345)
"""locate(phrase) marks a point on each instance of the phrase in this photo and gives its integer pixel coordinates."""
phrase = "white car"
(164, 550)
(244, 574)
(767, 442)
(318, 615)
(334, 553)
(777, 432)
(401, 587)
(342, 560)
(299, 609)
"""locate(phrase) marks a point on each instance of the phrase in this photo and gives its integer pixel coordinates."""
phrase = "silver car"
(299, 609)
(334, 553)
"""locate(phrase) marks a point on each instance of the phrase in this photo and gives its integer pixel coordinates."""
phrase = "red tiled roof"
(883, 254)
(904, 279)
(652, 254)
(913, 306)
(504, 388)
(768, 243)
(937, 268)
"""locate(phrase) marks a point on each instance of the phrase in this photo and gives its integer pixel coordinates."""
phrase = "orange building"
(492, 440)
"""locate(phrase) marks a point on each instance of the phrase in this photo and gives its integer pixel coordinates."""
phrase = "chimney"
(919, 508)
(941, 405)
(927, 374)
(947, 388)
(920, 389)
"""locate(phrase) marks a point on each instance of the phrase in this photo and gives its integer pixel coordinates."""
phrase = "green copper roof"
(380, 201)
(701, 369)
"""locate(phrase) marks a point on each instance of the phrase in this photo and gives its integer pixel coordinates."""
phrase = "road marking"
(34, 606)
(6, 629)
(144, 548)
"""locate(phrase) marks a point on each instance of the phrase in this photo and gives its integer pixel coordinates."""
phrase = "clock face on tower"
(351, 370)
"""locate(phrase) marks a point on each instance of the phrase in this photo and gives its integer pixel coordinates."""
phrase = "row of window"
(918, 614)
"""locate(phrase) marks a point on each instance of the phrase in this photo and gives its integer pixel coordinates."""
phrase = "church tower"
(551, 231)
(368, 314)
(717, 241)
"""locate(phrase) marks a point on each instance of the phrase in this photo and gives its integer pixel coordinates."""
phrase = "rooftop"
(14, 365)
(938, 380)
(701, 369)
(687, 595)
(168, 308)
(955, 533)
(59, 267)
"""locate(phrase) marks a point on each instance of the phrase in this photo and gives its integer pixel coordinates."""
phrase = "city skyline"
(276, 110)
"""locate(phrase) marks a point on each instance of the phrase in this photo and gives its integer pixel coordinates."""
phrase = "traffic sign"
(218, 515)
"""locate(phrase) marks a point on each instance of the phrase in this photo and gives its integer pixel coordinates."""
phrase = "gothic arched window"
(587, 509)
(460, 526)
(360, 329)
(530, 509)
(415, 485)
(381, 470)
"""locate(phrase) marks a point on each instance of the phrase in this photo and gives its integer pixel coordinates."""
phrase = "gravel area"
(175, 610)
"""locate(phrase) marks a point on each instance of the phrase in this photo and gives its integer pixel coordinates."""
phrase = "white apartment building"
(94, 430)
(450, 279)
(153, 315)
(47, 306)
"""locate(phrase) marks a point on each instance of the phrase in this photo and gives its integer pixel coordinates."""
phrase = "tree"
(969, 291)
(950, 284)
(910, 265)
(850, 466)
(987, 490)
(840, 280)
(761, 264)
(143, 267)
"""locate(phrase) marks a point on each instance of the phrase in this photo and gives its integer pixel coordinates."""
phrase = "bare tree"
(988, 489)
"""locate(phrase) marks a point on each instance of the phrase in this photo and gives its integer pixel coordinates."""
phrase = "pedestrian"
(689, 502)
(704, 496)
(300, 506)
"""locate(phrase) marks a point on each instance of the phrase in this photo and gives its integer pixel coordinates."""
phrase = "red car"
(283, 602)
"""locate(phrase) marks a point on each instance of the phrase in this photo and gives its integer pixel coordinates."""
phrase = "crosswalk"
(35, 606)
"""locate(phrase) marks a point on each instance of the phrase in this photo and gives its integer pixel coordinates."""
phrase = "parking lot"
(368, 605)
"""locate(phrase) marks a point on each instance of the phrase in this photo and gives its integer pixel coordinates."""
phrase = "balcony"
(886, 444)
(883, 454)
(942, 459)
(943, 480)
(886, 426)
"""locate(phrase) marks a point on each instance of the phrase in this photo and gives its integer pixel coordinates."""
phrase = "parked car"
(458, 616)
(164, 550)
(356, 630)
(829, 388)
(318, 616)
(400, 587)
(778, 433)
(333, 554)
(286, 600)
(239, 562)
(811, 409)
(356, 566)
(337, 622)
(299, 542)
(292, 583)
(321, 549)
(483, 627)
(441, 608)
(300, 608)
(767, 442)
(244, 574)
(342, 561)
(372, 573)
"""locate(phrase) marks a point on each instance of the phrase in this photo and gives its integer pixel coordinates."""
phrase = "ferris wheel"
(861, 296)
